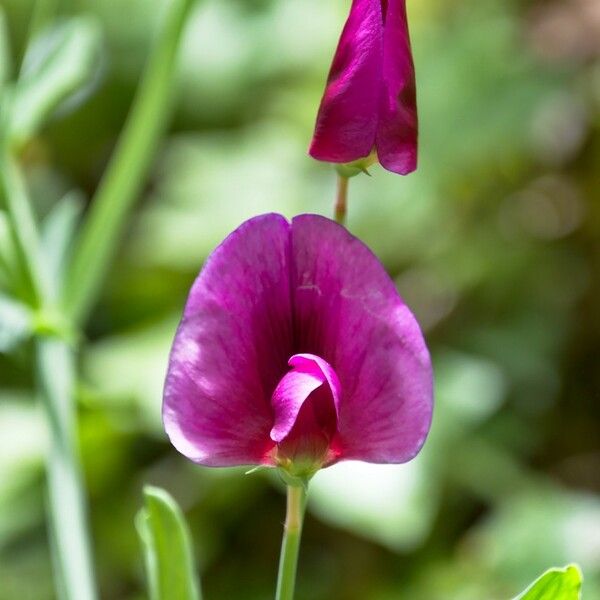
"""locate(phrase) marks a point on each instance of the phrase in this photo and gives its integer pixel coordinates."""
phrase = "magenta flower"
(370, 100)
(295, 350)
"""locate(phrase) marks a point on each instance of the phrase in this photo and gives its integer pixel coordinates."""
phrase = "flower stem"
(341, 201)
(66, 503)
(296, 503)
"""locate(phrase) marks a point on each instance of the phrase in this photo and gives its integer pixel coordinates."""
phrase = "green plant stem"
(296, 504)
(341, 200)
(127, 170)
(66, 502)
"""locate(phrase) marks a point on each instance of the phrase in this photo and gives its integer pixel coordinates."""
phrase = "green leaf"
(167, 547)
(58, 231)
(59, 66)
(555, 584)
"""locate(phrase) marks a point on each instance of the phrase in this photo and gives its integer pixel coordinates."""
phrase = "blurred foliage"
(494, 243)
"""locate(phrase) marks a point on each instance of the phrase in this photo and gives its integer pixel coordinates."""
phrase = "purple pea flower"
(370, 99)
(295, 350)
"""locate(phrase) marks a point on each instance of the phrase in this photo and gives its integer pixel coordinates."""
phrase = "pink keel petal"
(347, 119)
(309, 373)
(288, 398)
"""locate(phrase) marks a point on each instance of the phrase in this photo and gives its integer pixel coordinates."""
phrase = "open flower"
(370, 100)
(295, 350)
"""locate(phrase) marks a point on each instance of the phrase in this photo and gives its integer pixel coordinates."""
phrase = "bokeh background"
(494, 243)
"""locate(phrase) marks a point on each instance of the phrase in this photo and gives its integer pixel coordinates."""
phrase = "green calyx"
(354, 168)
(299, 471)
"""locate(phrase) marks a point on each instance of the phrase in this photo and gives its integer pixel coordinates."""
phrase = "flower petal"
(348, 312)
(397, 132)
(289, 396)
(347, 119)
(309, 373)
(231, 348)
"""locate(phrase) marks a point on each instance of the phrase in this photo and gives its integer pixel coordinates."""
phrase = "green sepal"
(296, 478)
(352, 169)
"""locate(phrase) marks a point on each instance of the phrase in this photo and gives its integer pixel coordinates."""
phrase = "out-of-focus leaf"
(61, 63)
(167, 548)
(57, 233)
(15, 323)
(555, 584)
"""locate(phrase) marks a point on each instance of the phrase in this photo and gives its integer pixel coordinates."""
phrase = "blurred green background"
(494, 243)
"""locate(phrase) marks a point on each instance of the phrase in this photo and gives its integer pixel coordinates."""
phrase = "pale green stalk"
(288, 561)
(66, 502)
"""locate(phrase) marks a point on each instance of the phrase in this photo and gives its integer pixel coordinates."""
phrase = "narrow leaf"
(61, 62)
(167, 548)
(58, 230)
(555, 584)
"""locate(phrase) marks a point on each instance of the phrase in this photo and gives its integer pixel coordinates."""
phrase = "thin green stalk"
(296, 504)
(341, 200)
(66, 502)
(127, 170)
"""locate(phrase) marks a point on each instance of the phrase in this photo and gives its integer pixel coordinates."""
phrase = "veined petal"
(347, 120)
(231, 348)
(348, 312)
(397, 131)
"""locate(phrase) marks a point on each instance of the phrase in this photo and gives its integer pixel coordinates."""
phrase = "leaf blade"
(555, 584)
(167, 548)
(59, 64)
